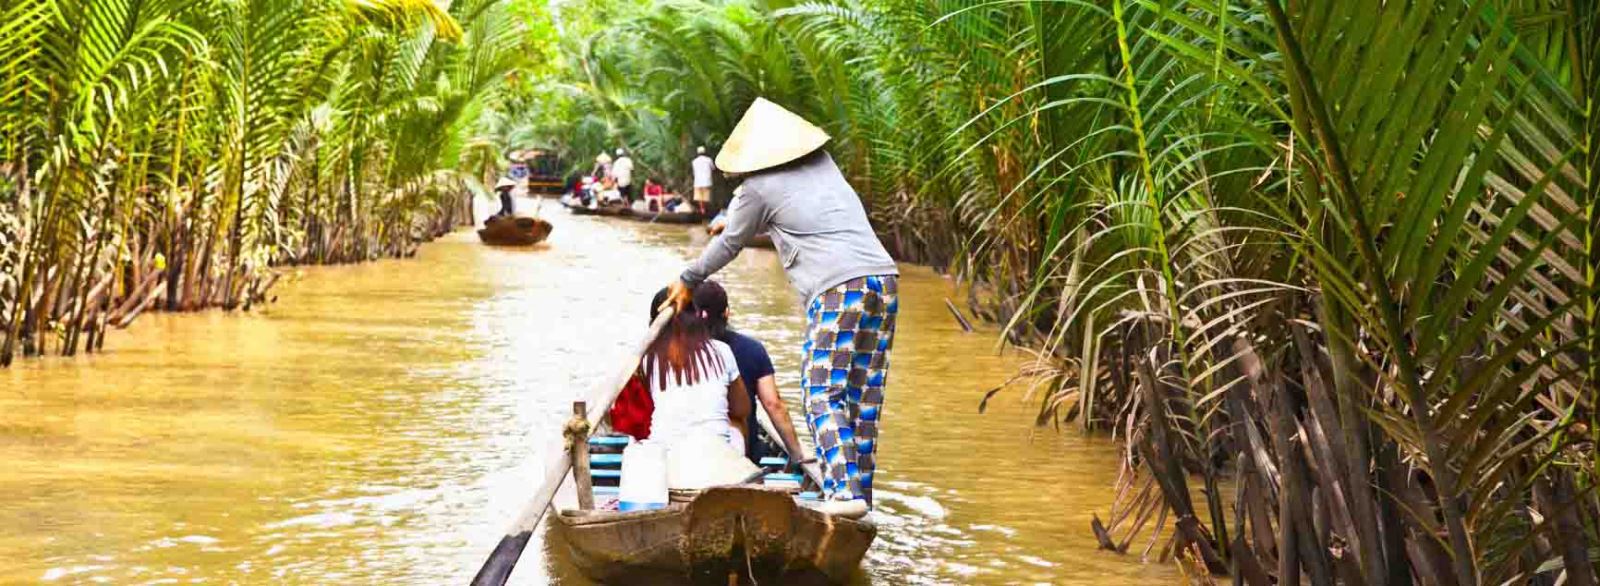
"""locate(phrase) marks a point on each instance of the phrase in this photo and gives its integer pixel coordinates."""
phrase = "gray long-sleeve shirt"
(816, 221)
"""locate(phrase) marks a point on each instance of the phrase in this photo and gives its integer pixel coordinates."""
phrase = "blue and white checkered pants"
(843, 372)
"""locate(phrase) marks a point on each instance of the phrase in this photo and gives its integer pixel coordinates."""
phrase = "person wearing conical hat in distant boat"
(602, 166)
(702, 179)
(504, 187)
(793, 191)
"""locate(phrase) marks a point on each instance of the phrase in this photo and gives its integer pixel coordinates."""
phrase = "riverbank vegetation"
(166, 154)
(1333, 264)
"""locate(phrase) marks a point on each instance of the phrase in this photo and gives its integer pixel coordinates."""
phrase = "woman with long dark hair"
(695, 384)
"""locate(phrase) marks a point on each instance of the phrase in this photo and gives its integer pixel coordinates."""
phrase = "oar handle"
(497, 569)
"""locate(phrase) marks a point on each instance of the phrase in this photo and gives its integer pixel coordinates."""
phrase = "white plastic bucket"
(644, 478)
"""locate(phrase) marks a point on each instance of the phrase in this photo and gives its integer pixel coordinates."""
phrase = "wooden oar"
(811, 469)
(497, 569)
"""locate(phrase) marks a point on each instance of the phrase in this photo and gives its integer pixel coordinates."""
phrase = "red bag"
(631, 413)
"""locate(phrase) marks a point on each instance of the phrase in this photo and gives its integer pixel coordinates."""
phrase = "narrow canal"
(382, 423)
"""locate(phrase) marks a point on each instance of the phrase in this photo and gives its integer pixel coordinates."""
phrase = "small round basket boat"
(514, 231)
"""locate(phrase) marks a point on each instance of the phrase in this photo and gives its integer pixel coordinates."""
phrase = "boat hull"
(578, 210)
(734, 534)
(666, 217)
(517, 231)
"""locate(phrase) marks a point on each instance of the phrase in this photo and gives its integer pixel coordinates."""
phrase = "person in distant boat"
(848, 283)
(622, 170)
(654, 195)
(602, 166)
(694, 383)
(583, 191)
(608, 194)
(702, 179)
(503, 188)
(755, 368)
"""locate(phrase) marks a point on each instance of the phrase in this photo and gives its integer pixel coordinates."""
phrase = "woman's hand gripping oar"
(497, 569)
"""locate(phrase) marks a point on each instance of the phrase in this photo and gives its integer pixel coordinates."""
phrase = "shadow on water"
(382, 423)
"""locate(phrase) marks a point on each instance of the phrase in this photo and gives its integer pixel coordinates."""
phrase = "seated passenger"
(653, 194)
(609, 194)
(694, 384)
(755, 369)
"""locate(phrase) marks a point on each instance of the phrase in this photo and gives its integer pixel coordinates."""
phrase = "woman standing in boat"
(793, 190)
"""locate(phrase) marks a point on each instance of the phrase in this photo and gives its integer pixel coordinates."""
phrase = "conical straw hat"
(504, 182)
(766, 137)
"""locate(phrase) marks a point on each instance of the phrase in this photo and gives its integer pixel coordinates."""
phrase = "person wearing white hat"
(793, 191)
(503, 187)
(623, 171)
(702, 179)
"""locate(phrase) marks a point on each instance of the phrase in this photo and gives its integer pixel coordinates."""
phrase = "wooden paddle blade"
(497, 570)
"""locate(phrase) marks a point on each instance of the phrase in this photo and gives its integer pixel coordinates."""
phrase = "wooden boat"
(725, 535)
(607, 210)
(514, 231)
(666, 217)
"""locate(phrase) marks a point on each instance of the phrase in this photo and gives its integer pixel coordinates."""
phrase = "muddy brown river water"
(382, 424)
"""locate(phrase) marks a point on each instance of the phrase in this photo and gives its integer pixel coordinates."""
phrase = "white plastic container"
(644, 478)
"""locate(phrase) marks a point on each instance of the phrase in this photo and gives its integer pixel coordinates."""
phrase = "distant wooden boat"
(666, 217)
(514, 231)
(606, 210)
(725, 535)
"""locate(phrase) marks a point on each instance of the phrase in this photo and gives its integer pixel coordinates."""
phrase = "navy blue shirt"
(753, 365)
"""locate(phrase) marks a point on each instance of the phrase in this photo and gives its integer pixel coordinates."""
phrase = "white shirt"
(623, 171)
(684, 410)
(702, 171)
